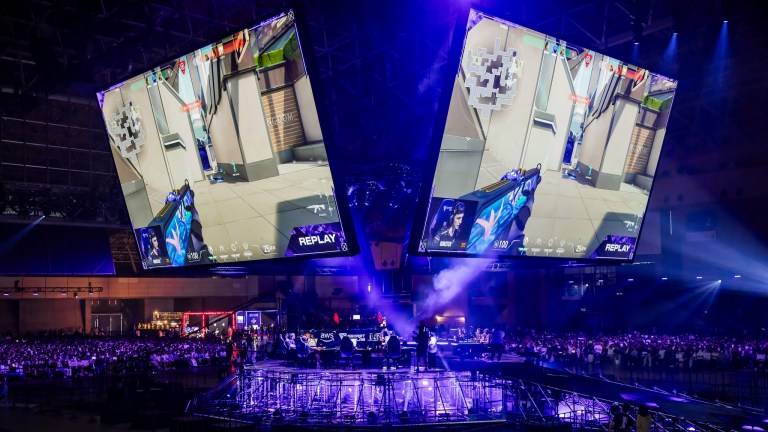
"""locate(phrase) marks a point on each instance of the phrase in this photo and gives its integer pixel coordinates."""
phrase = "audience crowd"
(57, 355)
(639, 350)
(53, 354)
(627, 350)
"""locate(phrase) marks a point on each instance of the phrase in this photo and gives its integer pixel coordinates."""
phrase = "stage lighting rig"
(35, 290)
(71, 204)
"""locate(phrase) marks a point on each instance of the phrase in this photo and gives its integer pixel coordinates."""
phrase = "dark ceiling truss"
(106, 40)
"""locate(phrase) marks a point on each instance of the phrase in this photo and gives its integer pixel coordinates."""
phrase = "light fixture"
(637, 31)
(36, 292)
(6, 293)
(74, 294)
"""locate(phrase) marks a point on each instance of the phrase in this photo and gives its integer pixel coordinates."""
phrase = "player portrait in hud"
(152, 250)
(554, 146)
(220, 153)
(450, 223)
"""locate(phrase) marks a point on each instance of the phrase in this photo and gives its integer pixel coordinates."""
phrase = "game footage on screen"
(220, 153)
(549, 149)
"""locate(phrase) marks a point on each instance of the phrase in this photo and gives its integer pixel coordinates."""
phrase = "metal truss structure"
(264, 395)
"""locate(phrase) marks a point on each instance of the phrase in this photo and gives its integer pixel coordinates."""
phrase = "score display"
(220, 153)
(549, 149)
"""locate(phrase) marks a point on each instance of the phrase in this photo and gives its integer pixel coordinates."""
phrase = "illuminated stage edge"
(273, 395)
(364, 396)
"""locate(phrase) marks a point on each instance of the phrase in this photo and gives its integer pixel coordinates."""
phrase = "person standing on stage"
(497, 343)
(250, 347)
(432, 351)
(422, 344)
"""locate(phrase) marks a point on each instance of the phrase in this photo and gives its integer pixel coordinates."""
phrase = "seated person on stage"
(486, 336)
(290, 347)
(302, 350)
(291, 341)
(393, 350)
(346, 349)
(306, 352)
(280, 347)
(385, 337)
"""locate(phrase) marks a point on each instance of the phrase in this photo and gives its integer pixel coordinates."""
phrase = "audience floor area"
(28, 419)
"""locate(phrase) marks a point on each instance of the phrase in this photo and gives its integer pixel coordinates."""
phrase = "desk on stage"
(469, 350)
(367, 357)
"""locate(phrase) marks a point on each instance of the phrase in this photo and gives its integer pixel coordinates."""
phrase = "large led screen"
(221, 156)
(549, 149)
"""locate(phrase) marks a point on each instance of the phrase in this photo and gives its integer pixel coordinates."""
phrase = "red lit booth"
(229, 323)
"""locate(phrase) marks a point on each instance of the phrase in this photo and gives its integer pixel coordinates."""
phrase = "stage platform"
(511, 391)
